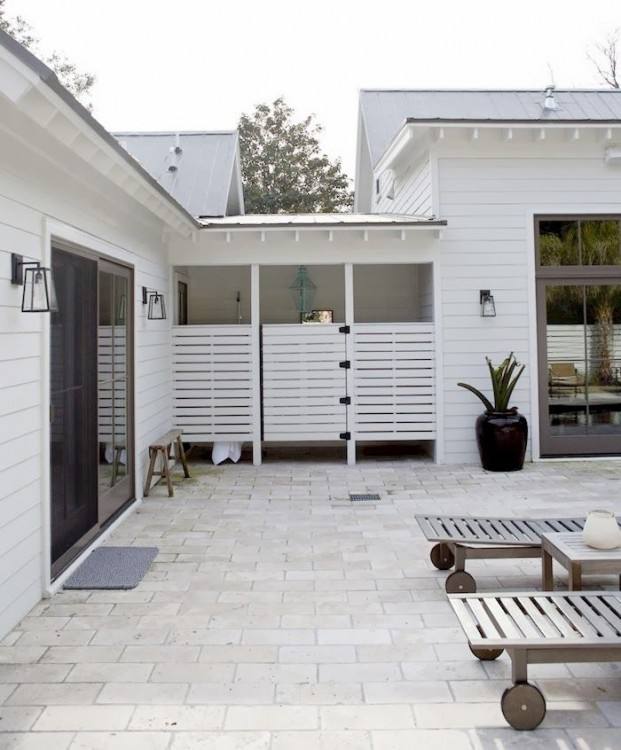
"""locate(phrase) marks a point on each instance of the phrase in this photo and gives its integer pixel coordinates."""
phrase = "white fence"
(112, 385)
(310, 392)
(565, 343)
(213, 370)
(393, 381)
(303, 382)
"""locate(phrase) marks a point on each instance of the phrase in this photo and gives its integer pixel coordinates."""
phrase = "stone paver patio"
(280, 616)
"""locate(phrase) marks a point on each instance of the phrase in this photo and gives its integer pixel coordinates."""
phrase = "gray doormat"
(113, 568)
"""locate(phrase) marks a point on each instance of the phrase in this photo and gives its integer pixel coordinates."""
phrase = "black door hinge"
(345, 400)
(345, 435)
(344, 329)
(345, 365)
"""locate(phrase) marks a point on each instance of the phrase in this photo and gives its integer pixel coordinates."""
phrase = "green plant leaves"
(504, 379)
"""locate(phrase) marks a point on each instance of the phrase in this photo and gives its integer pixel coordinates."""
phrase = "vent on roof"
(357, 497)
(549, 103)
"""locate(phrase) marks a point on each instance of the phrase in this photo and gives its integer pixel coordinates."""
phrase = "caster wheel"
(523, 706)
(442, 556)
(460, 582)
(486, 654)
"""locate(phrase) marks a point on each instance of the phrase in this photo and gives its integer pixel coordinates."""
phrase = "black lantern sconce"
(155, 300)
(39, 294)
(488, 306)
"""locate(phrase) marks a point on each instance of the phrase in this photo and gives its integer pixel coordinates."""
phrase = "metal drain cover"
(357, 497)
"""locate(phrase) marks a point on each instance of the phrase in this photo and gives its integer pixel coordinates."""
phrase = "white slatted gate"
(213, 370)
(393, 374)
(303, 382)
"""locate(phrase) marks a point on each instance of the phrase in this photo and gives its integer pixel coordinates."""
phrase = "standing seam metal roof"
(202, 172)
(385, 111)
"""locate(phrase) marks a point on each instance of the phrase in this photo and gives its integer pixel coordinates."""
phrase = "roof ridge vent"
(549, 102)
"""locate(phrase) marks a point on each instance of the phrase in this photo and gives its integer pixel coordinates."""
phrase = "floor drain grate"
(357, 497)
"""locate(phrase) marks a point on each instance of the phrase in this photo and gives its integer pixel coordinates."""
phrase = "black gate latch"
(345, 400)
(345, 365)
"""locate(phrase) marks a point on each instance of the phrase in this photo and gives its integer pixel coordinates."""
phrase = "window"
(182, 303)
(579, 242)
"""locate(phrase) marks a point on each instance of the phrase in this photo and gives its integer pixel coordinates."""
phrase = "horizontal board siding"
(213, 376)
(485, 245)
(394, 381)
(302, 382)
(31, 189)
(412, 191)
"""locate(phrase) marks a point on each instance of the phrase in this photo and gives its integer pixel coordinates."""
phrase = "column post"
(255, 325)
(349, 348)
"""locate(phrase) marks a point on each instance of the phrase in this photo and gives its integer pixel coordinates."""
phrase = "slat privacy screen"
(213, 374)
(393, 377)
(303, 381)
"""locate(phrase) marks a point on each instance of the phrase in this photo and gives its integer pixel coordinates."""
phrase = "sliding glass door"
(579, 321)
(91, 437)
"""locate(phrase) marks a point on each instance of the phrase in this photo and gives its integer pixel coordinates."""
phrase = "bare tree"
(605, 58)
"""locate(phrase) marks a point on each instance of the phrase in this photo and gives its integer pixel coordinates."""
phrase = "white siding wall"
(488, 203)
(31, 189)
(411, 190)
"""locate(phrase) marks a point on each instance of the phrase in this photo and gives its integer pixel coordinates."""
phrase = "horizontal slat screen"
(212, 379)
(394, 381)
(302, 382)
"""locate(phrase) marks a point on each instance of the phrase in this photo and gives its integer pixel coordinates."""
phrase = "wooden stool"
(162, 448)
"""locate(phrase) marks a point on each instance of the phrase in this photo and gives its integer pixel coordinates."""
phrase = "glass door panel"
(115, 455)
(580, 364)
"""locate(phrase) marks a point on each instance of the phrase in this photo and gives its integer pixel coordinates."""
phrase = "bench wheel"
(523, 706)
(460, 582)
(442, 556)
(486, 654)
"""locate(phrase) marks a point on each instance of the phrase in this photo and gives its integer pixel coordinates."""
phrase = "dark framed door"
(73, 397)
(579, 336)
(91, 395)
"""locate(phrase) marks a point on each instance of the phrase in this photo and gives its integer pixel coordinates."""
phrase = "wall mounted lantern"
(303, 291)
(155, 300)
(488, 306)
(39, 293)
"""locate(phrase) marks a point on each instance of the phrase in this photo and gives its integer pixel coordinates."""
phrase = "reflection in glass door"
(114, 396)
(580, 353)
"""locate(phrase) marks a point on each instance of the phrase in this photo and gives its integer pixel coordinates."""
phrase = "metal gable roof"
(385, 111)
(199, 176)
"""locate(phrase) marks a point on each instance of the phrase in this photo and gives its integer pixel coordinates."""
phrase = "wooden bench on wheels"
(539, 628)
(459, 538)
(162, 448)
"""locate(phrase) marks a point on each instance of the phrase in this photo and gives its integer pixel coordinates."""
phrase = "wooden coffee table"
(569, 549)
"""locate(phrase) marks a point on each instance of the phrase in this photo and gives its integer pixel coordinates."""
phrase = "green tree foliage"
(283, 167)
(75, 81)
(588, 242)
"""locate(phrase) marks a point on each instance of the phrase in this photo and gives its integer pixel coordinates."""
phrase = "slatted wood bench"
(162, 448)
(539, 628)
(459, 538)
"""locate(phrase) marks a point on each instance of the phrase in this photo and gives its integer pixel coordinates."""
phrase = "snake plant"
(504, 379)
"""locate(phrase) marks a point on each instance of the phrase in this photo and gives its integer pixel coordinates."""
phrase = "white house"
(512, 193)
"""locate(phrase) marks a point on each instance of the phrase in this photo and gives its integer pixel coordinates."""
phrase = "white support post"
(349, 353)
(255, 321)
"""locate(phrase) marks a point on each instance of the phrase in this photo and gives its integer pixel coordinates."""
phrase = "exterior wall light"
(155, 300)
(488, 306)
(39, 294)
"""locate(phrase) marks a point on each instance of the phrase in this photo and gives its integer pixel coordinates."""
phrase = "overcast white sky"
(197, 64)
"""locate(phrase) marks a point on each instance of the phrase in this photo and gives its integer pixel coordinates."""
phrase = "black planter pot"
(501, 437)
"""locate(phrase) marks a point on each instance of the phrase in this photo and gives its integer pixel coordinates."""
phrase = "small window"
(377, 186)
(182, 303)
